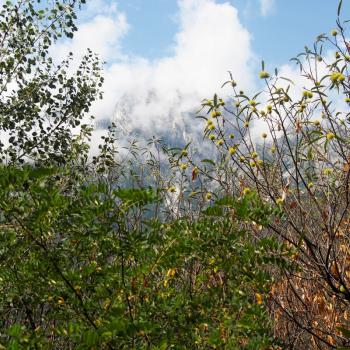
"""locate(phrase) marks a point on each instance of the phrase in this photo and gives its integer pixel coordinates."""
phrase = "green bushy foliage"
(74, 275)
(157, 249)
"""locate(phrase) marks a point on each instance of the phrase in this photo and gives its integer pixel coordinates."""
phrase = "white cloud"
(100, 7)
(155, 96)
(102, 34)
(266, 6)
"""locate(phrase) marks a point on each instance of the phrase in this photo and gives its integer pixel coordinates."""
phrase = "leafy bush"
(159, 249)
(75, 275)
(300, 165)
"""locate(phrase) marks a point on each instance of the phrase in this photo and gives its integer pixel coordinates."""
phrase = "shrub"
(300, 164)
(77, 273)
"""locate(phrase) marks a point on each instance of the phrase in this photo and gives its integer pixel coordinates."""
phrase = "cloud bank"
(156, 96)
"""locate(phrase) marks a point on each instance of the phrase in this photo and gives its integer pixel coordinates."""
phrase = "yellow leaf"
(258, 298)
(171, 273)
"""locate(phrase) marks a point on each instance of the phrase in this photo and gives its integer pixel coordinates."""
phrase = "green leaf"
(339, 7)
(90, 338)
(214, 211)
(139, 197)
(38, 173)
(226, 201)
(208, 161)
(345, 331)
(15, 331)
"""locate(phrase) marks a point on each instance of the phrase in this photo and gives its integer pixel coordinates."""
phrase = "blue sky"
(165, 56)
(277, 36)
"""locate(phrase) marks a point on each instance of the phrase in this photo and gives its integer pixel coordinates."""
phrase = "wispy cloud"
(266, 7)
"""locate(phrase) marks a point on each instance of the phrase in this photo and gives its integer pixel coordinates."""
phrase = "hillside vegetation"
(152, 247)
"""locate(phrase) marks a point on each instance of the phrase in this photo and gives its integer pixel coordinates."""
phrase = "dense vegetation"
(158, 248)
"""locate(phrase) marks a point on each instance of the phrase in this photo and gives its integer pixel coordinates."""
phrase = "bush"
(300, 165)
(161, 249)
(76, 273)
